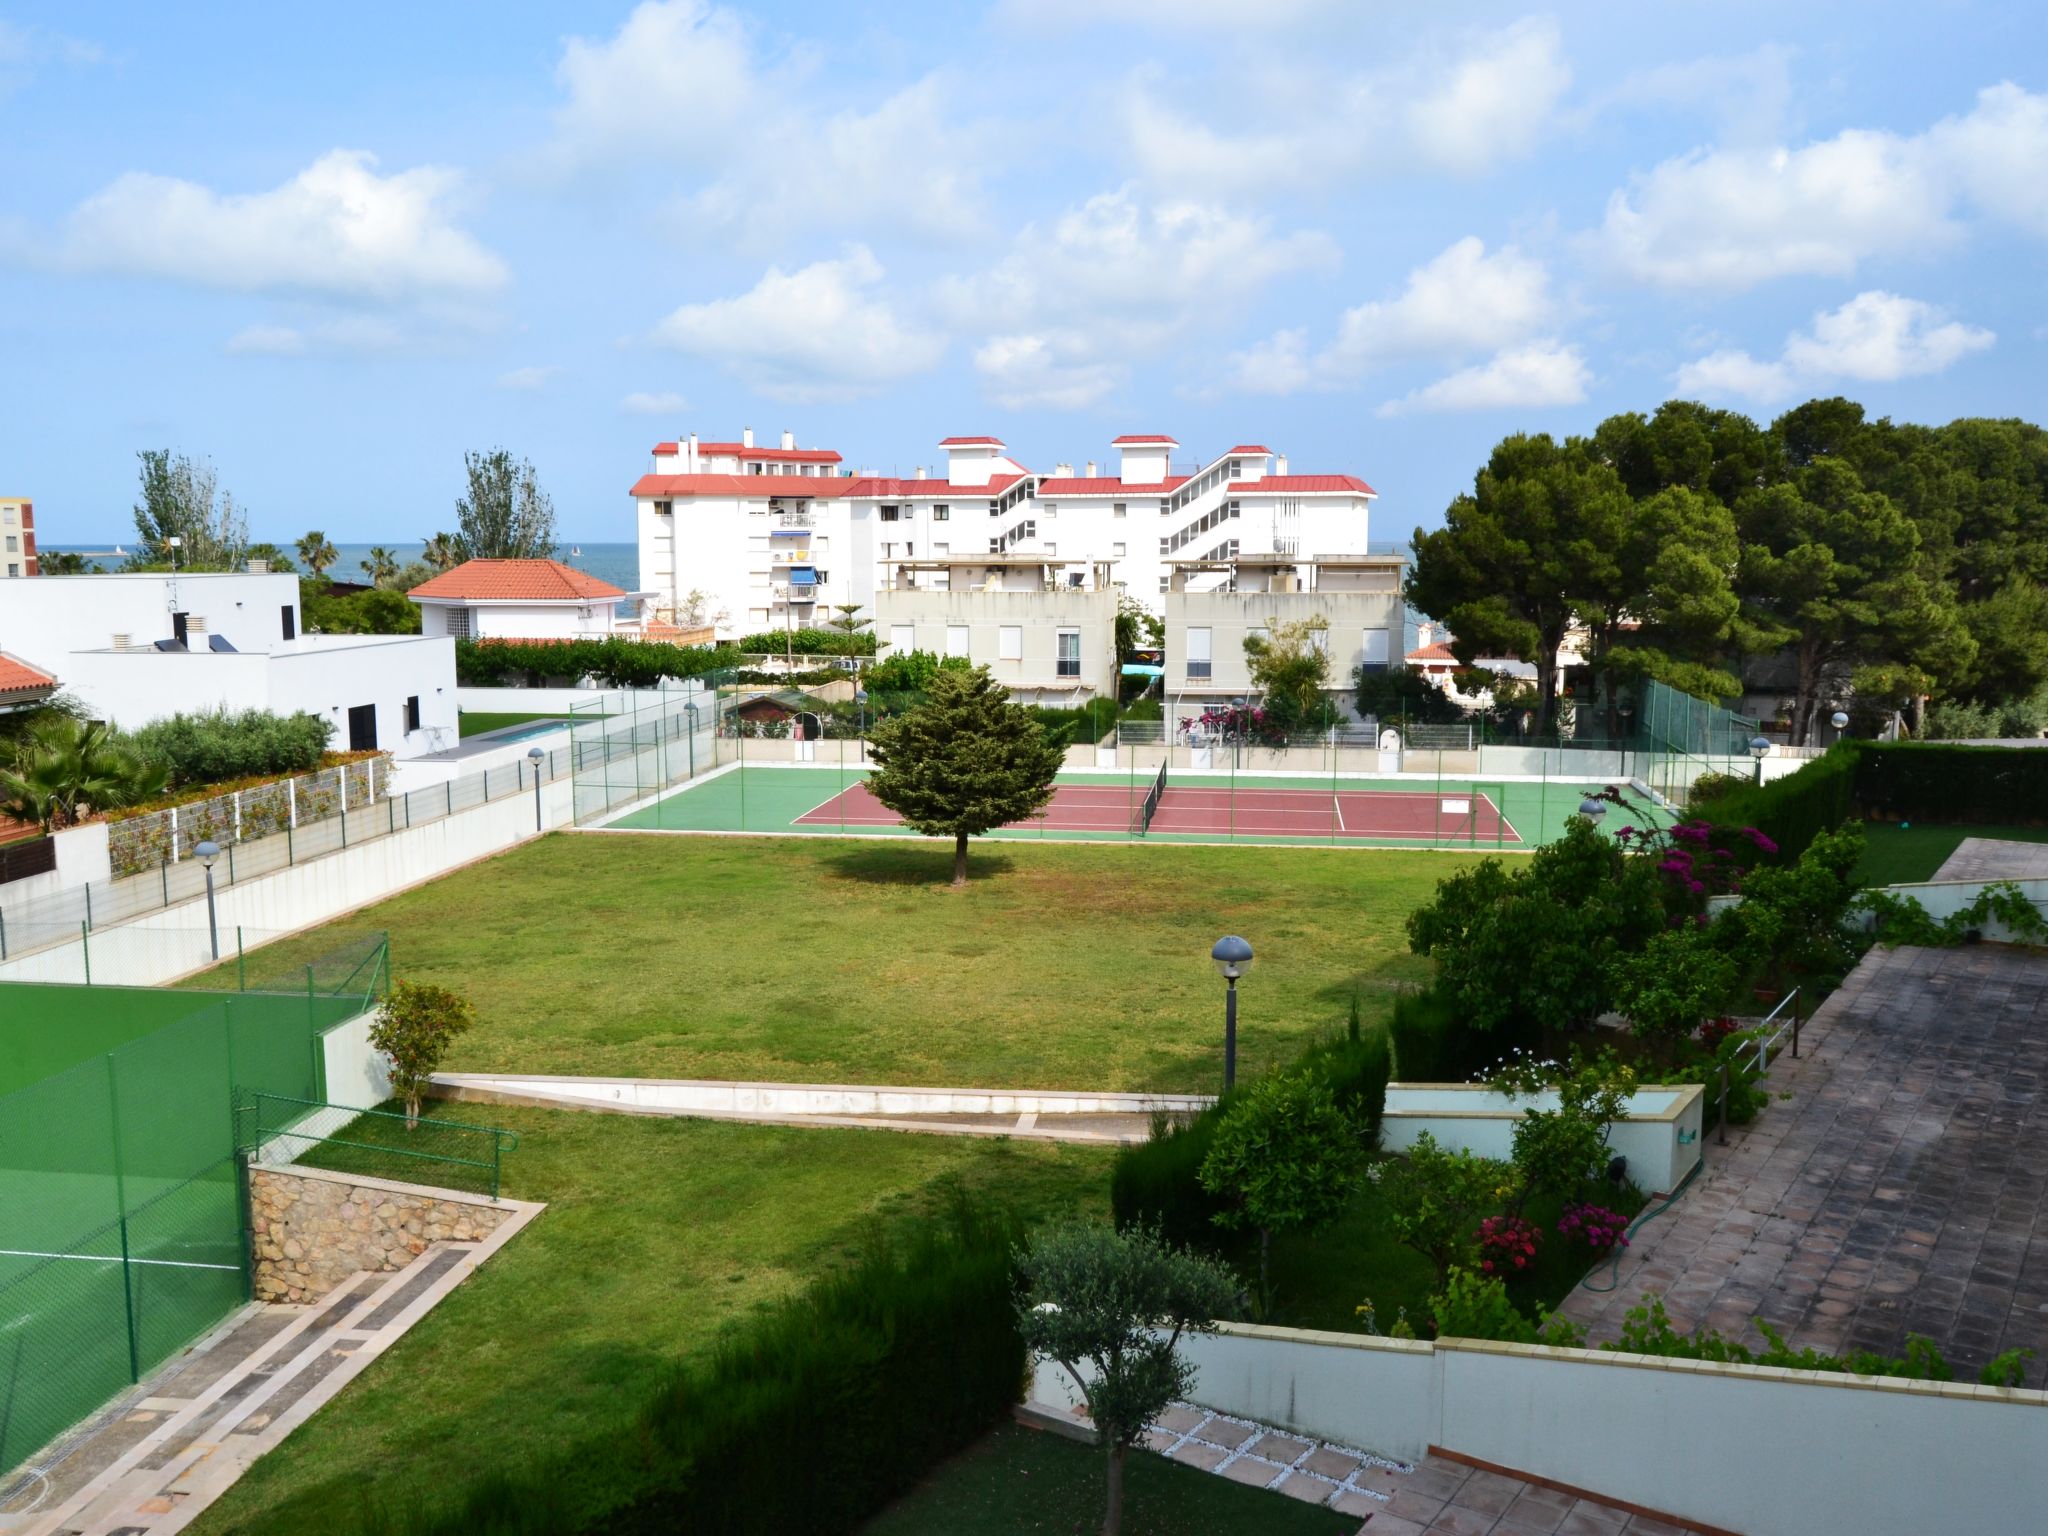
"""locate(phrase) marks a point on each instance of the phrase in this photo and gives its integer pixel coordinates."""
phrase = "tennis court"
(1190, 806)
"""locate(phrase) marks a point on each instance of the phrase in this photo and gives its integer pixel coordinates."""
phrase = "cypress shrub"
(1796, 809)
(1942, 781)
(1357, 1072)
(1431, 1045)
(1158, 1182)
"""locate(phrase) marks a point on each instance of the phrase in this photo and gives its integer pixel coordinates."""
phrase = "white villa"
(526, 600)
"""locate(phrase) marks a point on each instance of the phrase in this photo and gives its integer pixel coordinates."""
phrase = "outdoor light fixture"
(534, 755)
(1593, 808)
(1233, 957)
(1839, 720)
(690, 709)
(173, 543)
(860, 697)
(1759, 748)
(206, 853)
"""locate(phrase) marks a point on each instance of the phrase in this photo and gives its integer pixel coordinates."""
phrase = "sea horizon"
(608, 560)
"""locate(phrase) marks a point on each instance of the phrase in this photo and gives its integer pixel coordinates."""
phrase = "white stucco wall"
(1660, 1138)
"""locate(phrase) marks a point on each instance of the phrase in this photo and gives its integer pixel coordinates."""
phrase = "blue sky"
(331, 252)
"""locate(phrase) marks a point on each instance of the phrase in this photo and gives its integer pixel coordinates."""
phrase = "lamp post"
(1759, 748)
(690, 714)
(172, 543)
(1593, 808)
(207, 852)
(1233, 957)
(860, 697)
(534, 755)
(1840, 721)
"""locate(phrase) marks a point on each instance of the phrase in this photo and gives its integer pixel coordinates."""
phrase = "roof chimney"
(1091, 469)
(1063, 471)
(690, 456)
(746, 437)
(920, 471)
(1279, 463)
(788, 438)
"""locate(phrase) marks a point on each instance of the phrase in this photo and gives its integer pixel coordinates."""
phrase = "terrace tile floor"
(1994, 858)
(1898, 1185)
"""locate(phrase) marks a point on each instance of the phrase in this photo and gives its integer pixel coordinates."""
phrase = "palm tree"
(317, 552)
(444, 551)
(66, 769)
(381, 567)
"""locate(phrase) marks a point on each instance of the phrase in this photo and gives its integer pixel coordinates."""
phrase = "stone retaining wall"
(311, 1229)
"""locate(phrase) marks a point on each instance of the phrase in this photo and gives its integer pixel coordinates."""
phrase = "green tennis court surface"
(1203, 807)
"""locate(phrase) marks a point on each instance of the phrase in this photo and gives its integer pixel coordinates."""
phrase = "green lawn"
(476, 722)
(823, 960)
(1022, 1481)
(658, 1233)
(1896, 855)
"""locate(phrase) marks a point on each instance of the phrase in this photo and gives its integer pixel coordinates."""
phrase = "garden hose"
(1614, 1259)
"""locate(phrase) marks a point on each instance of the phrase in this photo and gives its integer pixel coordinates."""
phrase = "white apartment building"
(773, 538)
(1046, 632)
(136, 647)
(1213, 605)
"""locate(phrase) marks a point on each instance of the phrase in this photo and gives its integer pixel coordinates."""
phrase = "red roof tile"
(534, 581)
(761, 486)
(17, 676)
(875, 487)
(765, 455)
(1435, 651)
(1143, 437)
(1312, 484)
(1251, 448)
(968, 442)
(1104, 485)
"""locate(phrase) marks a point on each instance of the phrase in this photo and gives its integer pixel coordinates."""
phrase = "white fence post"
(291, 801)
(238, 815)
(174, 834)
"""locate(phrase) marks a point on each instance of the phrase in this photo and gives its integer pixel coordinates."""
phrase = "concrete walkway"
(152, 1460)
(1995, 858)
(1043, 1114)
(1894, 1183)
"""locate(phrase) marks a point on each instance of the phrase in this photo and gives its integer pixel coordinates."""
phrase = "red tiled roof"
(1435, 651)
(1143, 437)
(1103, 485)
(1251, 448)
(533, 581)
(745, 486)
(966, 442)
(17, 676)
(765, 455)
(1308, 483)
(871, 487)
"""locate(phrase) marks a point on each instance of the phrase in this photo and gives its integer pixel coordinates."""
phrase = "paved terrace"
(1902, 1187)
(1995, 858)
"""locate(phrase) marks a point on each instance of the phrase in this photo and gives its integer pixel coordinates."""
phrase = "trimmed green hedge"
(1430, 1045)
(216, 745)
(1077, 727)
(871, 1377)
(1796, 809)
(619, 662)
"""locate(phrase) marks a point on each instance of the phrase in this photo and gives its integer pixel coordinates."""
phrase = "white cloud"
(1028, 373)
(1749, 95)
(267, 341)
(1493, 102)
(1733, 218)
(1223, 15)
(1464, 107)
(818, 333)
(24, 50)
(1874, 338)
(746, 139)
(337, 229)
(662, 403)
(1113, 280)
(1460, 302)
(531, 378)
(1543, 373)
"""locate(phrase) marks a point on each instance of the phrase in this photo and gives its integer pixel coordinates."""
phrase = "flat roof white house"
(776, 537)
(1047, 632)
(526, 600)
(136, 647)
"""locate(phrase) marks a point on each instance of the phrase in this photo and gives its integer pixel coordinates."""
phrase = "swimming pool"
(521, 732)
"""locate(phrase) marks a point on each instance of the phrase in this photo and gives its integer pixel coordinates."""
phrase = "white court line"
(113, 1258)
(1337, 800)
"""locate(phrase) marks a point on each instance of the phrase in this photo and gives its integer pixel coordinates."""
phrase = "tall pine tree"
(963, 762)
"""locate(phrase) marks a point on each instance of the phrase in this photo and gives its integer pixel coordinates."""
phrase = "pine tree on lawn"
(963, 762)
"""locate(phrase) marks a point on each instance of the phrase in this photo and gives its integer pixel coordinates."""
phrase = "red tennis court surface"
(1212, 812)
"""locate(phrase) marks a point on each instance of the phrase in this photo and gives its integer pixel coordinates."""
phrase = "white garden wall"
(1660, 1136)
(1944, 898)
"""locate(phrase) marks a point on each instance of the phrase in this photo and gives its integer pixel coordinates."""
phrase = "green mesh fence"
(121, 1215)
(372, 1143)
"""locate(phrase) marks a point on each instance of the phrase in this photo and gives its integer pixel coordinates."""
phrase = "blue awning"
(789, 533)
(1140, 669)
(804, 575)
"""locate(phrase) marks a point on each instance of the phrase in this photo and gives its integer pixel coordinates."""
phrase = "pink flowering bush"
(1597, 1227)
(1507, 1245)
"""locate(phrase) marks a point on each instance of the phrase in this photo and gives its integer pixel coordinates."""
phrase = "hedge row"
(619, 662)
(813, 1417)
(213, 746)
(1931, 781)
(1431, 1044)
(1078, 727)
(1158, 1182)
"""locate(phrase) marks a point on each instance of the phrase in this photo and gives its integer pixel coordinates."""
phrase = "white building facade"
(139, 647)
(525, 600)
(1047, 637)
(749, 538)
(1357, 597)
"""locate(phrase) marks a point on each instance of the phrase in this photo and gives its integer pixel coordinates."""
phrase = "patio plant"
(1111, 1308)
(1472, 1305)
(1284, 1156)
(414, 1029)
(1436, 1197)
(63, 770)
(1679, 978)
(1557, 1151)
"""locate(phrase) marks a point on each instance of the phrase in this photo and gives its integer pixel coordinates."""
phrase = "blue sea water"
(618, 564)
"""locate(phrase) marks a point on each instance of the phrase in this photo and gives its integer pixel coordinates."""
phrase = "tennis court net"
(1141, 819)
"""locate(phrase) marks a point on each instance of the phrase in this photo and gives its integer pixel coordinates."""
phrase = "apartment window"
(1163, 581)
(1117, 550)
(995, 546)
(942, 549)
(1375, 650)
(458, 622)
(1198, 652)
(288, 620)
(1070, 653)
(1165, 505)
(941, 512)
(891, 514)
(10, 514)
(664, 509)
(756, 469)
(412, 712)
(956, 640)
(1236, 468)
(1010, 643)
(13, 569)
(13, 544)
(902, 639)
(1233, 509)
(888, 551)
(1119, 509)
(1052, 549)
(1049, 508)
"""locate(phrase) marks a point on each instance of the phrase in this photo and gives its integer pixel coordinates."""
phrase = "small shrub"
(1158, 1183)
(414, 1029)
(1595, 1226)
(1435, 1197)
(1476, 1306)
(1507, 1245)
(1284, 1156)
(222, 744)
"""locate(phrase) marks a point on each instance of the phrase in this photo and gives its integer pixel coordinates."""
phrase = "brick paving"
(1901, 1187)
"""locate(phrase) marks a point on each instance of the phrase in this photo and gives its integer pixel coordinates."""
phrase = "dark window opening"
(290, 617)
(179, 630)
(412, 713)
(362, 728)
